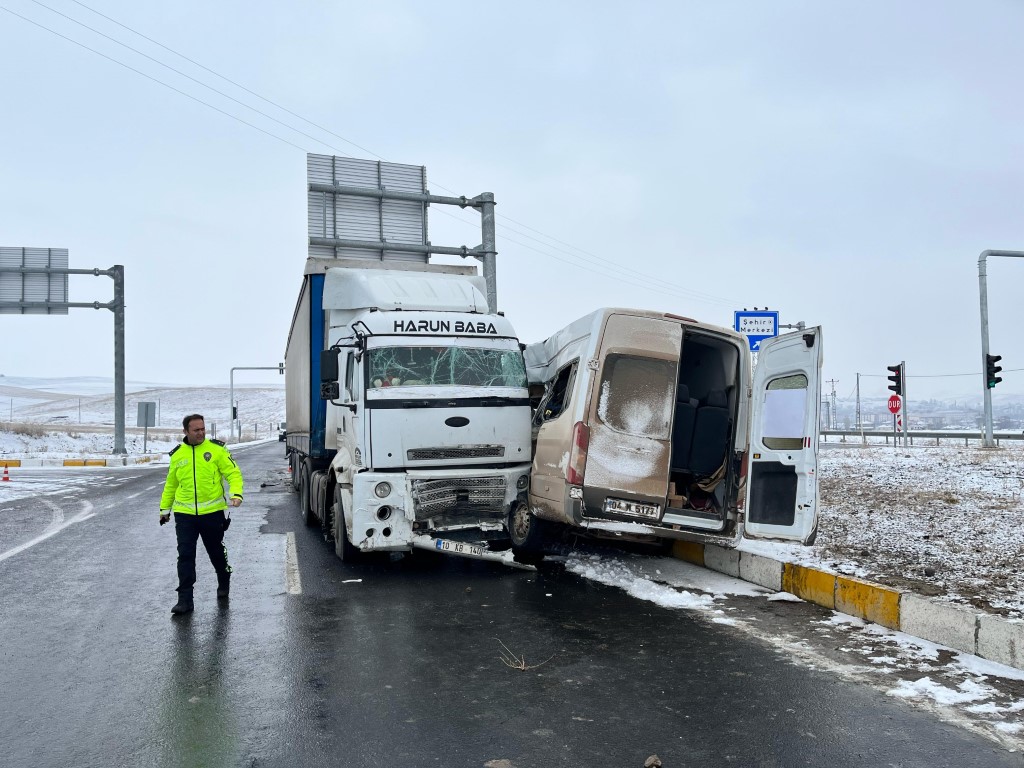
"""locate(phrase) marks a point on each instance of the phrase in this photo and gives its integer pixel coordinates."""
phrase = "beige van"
(651, 426)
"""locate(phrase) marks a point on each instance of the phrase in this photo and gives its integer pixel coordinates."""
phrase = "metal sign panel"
(345, 217)
(147, 414)
(33, 286)
(756, 326)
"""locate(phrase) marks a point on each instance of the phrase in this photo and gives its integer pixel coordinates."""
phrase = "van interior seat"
(682, 428)
(710, 434)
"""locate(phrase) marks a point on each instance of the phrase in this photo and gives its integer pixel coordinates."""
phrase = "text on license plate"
(458, 547)
(623, 507)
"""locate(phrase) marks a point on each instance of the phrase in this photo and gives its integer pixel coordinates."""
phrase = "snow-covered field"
(941, 520)
(73, 417)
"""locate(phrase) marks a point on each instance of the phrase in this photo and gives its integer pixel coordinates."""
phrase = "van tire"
(305, 500)
(528, 533)
(343, 548)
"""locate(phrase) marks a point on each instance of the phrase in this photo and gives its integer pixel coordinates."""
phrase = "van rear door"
(627, 468)
(782, 467)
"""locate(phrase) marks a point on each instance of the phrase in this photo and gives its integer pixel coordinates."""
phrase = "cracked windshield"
(446, 367)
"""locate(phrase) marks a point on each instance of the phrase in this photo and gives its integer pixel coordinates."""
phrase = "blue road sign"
(757, 326)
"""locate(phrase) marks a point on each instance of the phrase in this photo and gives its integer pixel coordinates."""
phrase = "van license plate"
(622, 507)
(458, 547)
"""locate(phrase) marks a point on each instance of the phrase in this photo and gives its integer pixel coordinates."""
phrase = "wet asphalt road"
(400, 668)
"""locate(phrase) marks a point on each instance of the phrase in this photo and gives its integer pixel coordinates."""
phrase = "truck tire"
(305, 497)
(293, 465)
(323, 504)
(343, 548)
(528, 533)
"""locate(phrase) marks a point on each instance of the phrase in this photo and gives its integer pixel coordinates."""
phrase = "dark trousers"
(189, 528)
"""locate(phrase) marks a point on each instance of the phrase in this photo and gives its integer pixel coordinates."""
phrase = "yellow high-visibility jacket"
(195, 479)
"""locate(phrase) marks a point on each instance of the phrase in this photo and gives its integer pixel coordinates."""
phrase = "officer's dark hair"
(190, 418)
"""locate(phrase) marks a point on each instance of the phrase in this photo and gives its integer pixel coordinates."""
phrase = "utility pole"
(833, 383)
(860, 421)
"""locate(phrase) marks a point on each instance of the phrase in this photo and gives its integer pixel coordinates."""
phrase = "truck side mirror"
(329, 374)
(329, 365)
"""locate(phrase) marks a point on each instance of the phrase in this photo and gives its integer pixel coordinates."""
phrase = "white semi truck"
(407, 408)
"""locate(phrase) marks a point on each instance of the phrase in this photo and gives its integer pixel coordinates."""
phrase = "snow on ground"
(943, 521)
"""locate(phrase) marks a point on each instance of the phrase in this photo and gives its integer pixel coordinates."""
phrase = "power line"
(185, 75)
(228, 80)
(630, 276)
(150, 77)
(938, 375)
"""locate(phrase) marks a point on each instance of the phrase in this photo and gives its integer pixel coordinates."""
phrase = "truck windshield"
(445, 367)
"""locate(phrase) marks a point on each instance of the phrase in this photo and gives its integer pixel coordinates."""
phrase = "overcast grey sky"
(842, 162)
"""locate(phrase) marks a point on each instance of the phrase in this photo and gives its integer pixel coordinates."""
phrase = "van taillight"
(743, 465)
(578, 453)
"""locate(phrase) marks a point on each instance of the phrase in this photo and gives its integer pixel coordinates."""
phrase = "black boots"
(223, 585)
(184, 604)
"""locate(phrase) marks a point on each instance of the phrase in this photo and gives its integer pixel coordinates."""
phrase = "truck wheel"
(294, 465)
(305, 496)
(528, 533)
(343, 548)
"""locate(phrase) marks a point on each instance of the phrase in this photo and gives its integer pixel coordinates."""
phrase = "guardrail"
(937, 435)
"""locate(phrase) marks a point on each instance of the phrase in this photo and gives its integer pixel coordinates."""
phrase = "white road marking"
(57, 524)
(292, 578)
(136, 495)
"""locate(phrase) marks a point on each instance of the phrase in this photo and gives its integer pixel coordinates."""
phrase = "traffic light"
(896, 377)
(991, 369)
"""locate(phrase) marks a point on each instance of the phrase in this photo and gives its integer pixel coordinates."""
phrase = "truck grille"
(469, 452)
(454, 498)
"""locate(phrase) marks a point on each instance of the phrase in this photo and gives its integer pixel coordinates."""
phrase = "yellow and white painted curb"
(990, 637)
(85, 461)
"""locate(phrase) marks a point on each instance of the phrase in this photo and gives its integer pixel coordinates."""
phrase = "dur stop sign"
(895, 404)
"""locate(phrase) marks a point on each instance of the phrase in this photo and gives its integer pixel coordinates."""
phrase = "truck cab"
(426, 413)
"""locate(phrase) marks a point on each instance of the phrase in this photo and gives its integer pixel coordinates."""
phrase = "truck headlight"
(382, 490)
(522, 482)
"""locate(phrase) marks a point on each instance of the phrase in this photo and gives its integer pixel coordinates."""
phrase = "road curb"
(85, 461)
(991, 637)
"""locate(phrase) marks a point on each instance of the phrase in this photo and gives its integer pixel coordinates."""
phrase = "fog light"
(522, 482)
(383, 513)
(383, 490)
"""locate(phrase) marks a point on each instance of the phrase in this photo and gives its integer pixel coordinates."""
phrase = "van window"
(637, 394)
(556, 402)
(784, 404)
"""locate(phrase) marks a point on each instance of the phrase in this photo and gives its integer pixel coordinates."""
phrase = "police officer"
(194, 491)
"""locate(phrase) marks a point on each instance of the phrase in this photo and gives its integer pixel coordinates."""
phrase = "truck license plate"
(458, 547)
(623, 507)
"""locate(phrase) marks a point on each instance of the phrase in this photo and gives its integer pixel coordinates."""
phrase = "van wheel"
(305, 510)
(343, 548)
(528, 533)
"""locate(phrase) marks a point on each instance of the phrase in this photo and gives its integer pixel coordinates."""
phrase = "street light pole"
(987, 440)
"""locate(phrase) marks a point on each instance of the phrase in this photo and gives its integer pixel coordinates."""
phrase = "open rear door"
(782, 468)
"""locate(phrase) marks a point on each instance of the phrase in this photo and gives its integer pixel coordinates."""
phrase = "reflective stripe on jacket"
(195, 479)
